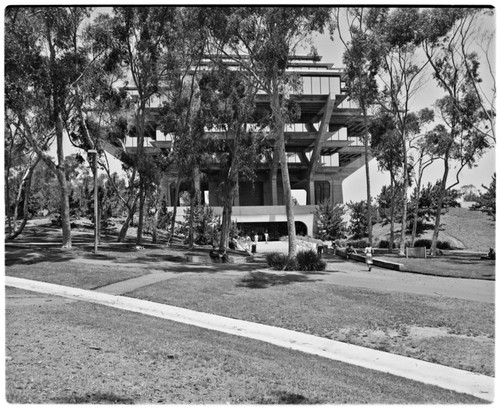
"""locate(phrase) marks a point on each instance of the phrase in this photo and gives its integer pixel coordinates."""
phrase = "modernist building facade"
(323, 148)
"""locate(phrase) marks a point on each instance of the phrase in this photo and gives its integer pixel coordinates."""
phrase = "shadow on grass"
(95, 398)
(259, 279)
(36, 255)
(286, 398)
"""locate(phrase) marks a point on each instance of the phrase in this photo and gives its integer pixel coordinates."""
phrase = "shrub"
(280, 261)
(276, 260)
(309, 260)
(423, 243)
(443, 245)
(331, 224)
(358, 244)
(383, 244)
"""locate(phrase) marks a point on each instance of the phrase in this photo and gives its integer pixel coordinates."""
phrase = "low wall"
(376, 262)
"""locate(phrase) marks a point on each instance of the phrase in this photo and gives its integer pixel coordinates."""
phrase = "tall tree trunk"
(367, 172)
(195, 201)
(442, 193)
(130, 215)
(139, 159)
(61, 176)
(229, 193)
(402, 244)
(142, 200)
(154, 228)
(393, 204)
(25, 187)
(174, 211)
(415, 211)
(280, 148)
(226, 213)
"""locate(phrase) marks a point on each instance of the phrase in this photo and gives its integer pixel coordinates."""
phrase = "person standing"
(255, 240)
(369, 257)
(266, 236)
(319, 247)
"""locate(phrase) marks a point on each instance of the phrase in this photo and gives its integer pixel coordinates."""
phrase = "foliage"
(331, 225)
(358, 244)
(358, 226)
(390, 202)
(261, 44)
(383, 244)
(304, 260)
(470, 193)
(427, 243)
(276, 260)
(487, 200)
(428, 204)
(309, 260)
(205, 225)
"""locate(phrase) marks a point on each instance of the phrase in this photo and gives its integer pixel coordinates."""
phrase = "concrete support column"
(273, 181)
(337, 192)
(236, 201)
(165, 190)
(311, 199)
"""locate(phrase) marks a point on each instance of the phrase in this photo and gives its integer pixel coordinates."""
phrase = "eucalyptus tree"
(362, 61)
(19, 165)
(142, 38)
(460, 40)
(261, 40)
(402, 78)
(386, 146)
(181, 115)
(455, 141)
(228, 100)
(40, 73)
(468, 129)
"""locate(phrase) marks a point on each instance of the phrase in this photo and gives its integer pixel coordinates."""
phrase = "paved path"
(338, 272)
(449, 378)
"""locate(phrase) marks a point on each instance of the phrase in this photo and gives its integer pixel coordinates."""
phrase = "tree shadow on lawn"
(259, 279)
(98, 397)
(33, 255)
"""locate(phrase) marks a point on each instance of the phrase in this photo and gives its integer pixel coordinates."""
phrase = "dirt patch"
(418, 342)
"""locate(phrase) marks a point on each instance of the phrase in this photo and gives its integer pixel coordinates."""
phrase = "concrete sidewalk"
(477, 385)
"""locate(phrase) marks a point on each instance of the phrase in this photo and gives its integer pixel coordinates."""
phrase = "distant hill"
(463, 228)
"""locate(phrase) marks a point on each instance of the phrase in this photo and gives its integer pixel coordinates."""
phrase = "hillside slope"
(461, 227)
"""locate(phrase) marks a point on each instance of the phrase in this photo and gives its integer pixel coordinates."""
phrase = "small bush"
(423, 243)
(358, 244)
(383, 244)
(309, 260)
(443, 245)
(427, 243)
(276, 260)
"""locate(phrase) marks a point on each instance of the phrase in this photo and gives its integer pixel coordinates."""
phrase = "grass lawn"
(447, 266)
(448, 331)
(85, 353)
(85, 276)
(94, 354)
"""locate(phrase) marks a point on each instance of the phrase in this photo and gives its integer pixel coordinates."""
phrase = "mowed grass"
(417, 326)
(447, 266)
(94, 354)
(85, 276)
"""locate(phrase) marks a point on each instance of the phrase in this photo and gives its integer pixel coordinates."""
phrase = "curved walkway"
(457, 380)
